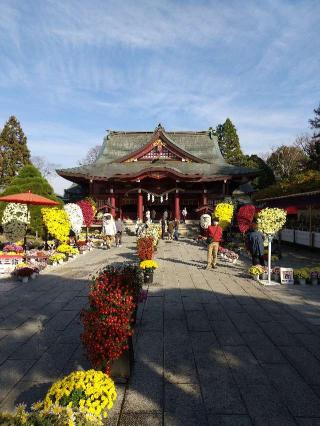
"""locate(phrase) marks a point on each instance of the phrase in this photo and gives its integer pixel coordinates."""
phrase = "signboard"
(286, 276)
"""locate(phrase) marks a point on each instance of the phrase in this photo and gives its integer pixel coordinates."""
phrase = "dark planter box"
(122, 367)
(148, 277)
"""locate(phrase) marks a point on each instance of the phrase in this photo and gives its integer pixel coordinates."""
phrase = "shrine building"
(158, 170)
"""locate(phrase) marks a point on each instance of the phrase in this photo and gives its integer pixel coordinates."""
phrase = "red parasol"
(28, 198)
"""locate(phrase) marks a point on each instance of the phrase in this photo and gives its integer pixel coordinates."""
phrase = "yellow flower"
(97, 388)
(57, 223)
(224, 212)
(148, 264)
(271, 220)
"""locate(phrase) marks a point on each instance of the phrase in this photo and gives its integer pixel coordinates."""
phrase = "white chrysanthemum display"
(271, 220)
(75, 216)
(14, 221)
(205, 221)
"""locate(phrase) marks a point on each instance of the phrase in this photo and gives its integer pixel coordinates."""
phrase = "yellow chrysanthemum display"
(57, 223)
(271, 220)
(224, 212)
(148, 264)
(67, 249)
(91, 391)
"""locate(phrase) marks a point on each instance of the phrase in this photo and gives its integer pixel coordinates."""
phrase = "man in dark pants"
(255, 244)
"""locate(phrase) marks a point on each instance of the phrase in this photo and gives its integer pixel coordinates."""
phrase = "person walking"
(255, 240)
(163, 227)
(171, 229)
(119, 232)
(108, 229)
(153, 215)
(176, 229)
(184, 214)
(214, 236)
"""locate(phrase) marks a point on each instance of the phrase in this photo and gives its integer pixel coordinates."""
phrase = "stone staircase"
(189, 229)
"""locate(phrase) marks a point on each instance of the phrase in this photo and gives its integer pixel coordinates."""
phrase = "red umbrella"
(28, 198)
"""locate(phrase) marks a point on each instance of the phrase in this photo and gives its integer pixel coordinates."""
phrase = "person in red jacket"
(214, 233)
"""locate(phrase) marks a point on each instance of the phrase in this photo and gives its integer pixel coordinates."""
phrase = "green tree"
(29, 178)
(302, 182)
(314, 146)
(229, 144)
(265, 177)
(14, 153)
(286, 161)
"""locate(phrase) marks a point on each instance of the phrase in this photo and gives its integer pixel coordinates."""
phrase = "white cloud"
(71, 69)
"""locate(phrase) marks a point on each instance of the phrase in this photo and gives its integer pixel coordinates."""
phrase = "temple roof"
(202, 157)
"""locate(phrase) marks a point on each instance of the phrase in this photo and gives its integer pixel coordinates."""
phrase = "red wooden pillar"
(140, 205)
(177, 205)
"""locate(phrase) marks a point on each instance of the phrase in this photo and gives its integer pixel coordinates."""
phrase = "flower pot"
(60, 261)
(148, 277)
(54, 263)
(264, 276)
(121, 368)
(25, 280)
(275, 277)
(256, 277)
(302, 281)
(314, 281)
(34, 276)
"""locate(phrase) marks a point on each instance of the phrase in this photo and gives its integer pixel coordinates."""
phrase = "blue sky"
(69, 70)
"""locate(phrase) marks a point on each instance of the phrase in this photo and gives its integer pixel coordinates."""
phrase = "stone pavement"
(211, 347)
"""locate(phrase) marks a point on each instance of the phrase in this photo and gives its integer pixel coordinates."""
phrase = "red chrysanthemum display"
(245, 217)
(108, 320)
(145, 248)
(87, 212)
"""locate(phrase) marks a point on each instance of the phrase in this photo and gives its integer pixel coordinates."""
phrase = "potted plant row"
(306, 275)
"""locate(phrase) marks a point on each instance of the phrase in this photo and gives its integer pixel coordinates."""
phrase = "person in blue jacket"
(255, 240)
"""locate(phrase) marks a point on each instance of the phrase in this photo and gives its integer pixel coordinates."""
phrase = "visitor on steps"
(109, 229)
(184, 214)
(119, 232)
(255, 244)
(214, 236)
(176, 229)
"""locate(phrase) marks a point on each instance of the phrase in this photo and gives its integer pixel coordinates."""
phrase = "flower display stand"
(121, 368)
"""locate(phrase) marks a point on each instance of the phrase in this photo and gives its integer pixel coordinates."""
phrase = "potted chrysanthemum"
(255, 271)
(314, 277)
(148, 267)
(301, 275)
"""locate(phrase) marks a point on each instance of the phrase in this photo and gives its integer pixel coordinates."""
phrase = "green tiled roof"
(117, 145)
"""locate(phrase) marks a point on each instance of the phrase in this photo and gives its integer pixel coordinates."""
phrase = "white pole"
(269, 258)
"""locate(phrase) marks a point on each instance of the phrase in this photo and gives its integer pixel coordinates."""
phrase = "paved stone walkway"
(211, 347)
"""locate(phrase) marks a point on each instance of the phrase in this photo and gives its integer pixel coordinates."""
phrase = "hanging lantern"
(161, 199)
(152, 198)
(167, 196)
(148, 197)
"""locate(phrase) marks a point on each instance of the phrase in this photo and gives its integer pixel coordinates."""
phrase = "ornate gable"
(160, 147)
